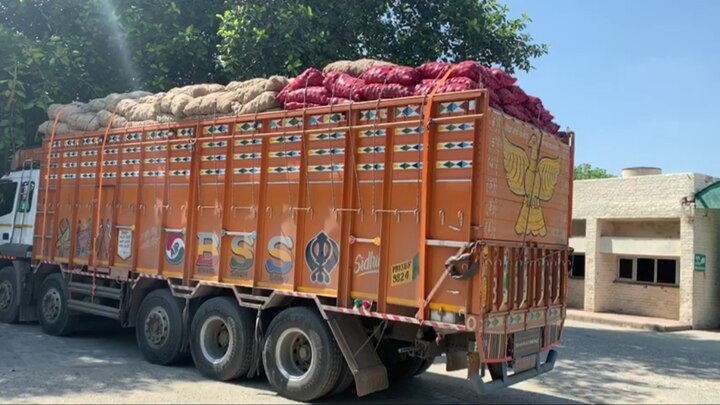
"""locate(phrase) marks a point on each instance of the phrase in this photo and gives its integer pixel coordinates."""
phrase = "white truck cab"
(18, 205)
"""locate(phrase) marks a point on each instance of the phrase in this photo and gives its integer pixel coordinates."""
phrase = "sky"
(637, 80)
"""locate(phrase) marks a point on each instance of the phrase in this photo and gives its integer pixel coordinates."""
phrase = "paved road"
(597, 364)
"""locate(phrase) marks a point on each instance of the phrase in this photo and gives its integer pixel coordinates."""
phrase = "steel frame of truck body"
(353, 326)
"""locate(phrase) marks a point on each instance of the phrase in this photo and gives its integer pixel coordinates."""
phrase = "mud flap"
(368, 370)
(485, 388)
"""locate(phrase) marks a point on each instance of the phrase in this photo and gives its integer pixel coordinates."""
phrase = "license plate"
(526, 343)
(524, 363)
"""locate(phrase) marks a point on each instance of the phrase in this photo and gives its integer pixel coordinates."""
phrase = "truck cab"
(18, 205)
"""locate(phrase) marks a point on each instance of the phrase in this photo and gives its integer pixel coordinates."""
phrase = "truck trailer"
(324, 247)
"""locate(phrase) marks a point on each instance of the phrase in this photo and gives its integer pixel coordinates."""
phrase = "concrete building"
(644, 246)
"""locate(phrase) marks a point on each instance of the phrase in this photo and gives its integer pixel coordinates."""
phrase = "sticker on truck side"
(405, 272)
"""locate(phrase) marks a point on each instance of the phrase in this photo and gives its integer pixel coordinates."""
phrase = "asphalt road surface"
(596, 364)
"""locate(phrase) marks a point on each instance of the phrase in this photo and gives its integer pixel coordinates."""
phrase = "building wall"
(655, 196)
(576, 293)
(649, 207)
(706, 288)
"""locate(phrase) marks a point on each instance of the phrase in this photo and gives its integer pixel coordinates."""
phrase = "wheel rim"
(294, 354)
(51, 305)
(6, 295)
(157, 326)
(217, 339)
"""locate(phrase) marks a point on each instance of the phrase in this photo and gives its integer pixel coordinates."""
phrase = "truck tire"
(9, 302)
(52, 307)
(222, 339)
(424, 366)
(159, 328)
(344, 382)
(302, 360)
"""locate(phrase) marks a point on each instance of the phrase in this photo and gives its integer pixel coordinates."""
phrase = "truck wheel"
(425, 366)
(9, 307)
(344, 382)
(222, 339)
(302, 360)
(159, 328)
(52, 309)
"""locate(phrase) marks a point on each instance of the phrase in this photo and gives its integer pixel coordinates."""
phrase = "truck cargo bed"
(364, 201)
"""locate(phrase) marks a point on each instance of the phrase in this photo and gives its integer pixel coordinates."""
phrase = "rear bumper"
(487, 387)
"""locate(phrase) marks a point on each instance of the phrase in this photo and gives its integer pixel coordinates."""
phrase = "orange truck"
(324, 247)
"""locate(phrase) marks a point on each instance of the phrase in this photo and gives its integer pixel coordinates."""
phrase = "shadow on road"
(605, 365)
(594, 366)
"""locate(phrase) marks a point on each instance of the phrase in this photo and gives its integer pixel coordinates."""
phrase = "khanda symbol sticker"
(321, 256)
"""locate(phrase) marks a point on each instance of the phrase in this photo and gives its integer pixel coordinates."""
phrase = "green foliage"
(585, 171)
(57, 51)
(264, 37)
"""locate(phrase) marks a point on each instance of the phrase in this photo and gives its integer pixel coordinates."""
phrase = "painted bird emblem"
(531, 178)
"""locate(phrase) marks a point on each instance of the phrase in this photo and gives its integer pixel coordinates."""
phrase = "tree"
(261, 37)
(58, 51)
(585, 171)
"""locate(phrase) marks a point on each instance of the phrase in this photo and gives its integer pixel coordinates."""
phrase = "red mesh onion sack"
(315, 95)
(374, 91)
(517, 112)
(293, 105)
(496, 78)
(433, 70)
(403, 75)
(340, 100)
(469, 69)
(311, 77)
(343, 85)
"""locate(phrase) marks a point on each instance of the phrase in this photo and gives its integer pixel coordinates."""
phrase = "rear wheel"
(159, 328)
(344, 382)
(52, 307)
(221, 339)
(9, 307)
(302, 360)
(425, 366)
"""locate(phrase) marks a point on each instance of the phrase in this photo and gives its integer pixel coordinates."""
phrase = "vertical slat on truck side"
(192, 202)
(320, 228)
(368, 139)
(279, 244)
(71, 172)
(303, 209)
(212, 153)
(239, 244)
(240, 214)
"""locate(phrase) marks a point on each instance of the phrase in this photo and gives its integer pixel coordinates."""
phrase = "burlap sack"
(199, 90)
(67, 110)
(142, 112)
(179, 102)
(125, 106)
(276, 83)
(249, 93)
(354, 68)
(119, 122)
(193, 107)
(208, 103)
(261, 103)
(165, 118)
(83, 121)
(103, 117)
(151, 99)
(97, 104)
(62, 129)
(234, 86)
(226, 102)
